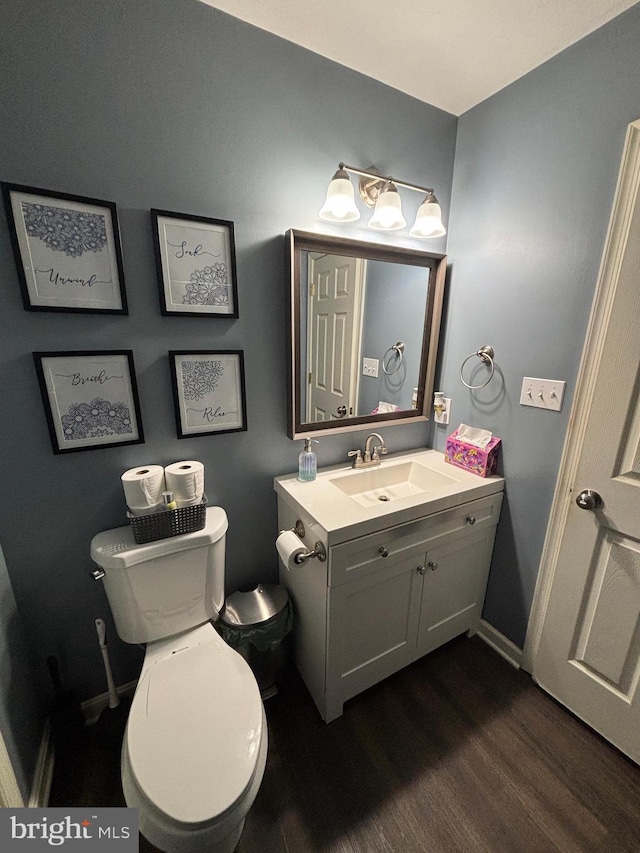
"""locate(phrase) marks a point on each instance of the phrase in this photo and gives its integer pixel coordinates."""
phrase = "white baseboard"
(43, 774)
(500, 644)
(92, 708)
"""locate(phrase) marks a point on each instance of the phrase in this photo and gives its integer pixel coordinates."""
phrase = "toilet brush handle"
(101, 630)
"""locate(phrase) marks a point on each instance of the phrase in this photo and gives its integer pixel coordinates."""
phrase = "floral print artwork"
(73, 232)
(208, 286)
(96, 419)
(195, 259)
(208, 391)
(90, 398)
(200, 378)
(66, 249)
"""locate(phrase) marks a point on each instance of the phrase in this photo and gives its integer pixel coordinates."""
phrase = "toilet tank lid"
(117, 549)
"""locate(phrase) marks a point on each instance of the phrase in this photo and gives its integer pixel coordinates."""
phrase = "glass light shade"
(387, 215)
(340, 205)
(428, 219)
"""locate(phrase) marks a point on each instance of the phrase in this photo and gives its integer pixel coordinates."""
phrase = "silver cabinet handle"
(432, 565)
(470, 519)
(384, 552)
(422, 570)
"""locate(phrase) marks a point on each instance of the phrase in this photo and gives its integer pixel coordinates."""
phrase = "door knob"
(588, 499)
(341, 411)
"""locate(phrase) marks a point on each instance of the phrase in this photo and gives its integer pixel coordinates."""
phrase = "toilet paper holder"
(319, 550)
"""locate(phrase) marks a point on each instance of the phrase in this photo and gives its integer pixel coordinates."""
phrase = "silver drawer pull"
(432, 565)
(384, 552)
(422, 570)
(470, 519)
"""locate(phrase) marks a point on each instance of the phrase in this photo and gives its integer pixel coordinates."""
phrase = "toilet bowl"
(195, 744)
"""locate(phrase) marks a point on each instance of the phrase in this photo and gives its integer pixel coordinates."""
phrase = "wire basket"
(172, 522)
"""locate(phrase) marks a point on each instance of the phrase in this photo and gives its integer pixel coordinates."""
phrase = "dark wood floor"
(459, 752)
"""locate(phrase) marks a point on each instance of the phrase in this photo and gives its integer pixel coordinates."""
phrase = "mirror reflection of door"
(335, 300)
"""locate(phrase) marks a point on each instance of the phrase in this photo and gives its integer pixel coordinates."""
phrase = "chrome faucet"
(371, 457)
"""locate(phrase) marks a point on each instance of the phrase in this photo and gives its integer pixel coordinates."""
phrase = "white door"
(335, 298)
(587, 651)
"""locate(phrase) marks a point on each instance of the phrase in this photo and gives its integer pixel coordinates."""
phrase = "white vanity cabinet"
(383, 599)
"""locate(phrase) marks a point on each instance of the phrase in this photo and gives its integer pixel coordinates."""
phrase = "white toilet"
(195, 744)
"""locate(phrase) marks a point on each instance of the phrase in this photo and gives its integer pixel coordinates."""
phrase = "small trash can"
(256, 621)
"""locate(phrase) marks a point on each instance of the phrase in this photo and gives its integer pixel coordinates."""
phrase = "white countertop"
(343, 518)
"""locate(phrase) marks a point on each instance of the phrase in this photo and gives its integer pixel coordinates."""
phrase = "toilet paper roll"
(288, 546)
(145, 510)
(186, 481)
(143, 488)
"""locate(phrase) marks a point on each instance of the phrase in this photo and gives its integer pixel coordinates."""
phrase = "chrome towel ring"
(398, 348)
(485, 354)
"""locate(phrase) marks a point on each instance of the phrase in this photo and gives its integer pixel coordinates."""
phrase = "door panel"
(612, 597)
(388, 601)
(335, 299)
(454, 586)
(589, 649)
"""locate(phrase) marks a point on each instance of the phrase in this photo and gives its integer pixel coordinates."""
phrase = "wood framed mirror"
(364, 322)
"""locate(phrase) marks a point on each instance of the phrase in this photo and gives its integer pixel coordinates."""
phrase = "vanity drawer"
(359, 557)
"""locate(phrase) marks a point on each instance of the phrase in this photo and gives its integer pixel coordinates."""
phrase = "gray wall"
(535, 172)
(392, 313)
(21, 709)
(174, 105)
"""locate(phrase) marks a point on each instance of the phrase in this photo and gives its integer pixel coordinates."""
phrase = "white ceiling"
(450, 53)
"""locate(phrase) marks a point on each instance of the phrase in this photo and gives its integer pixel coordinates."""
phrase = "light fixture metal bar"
(384, 179)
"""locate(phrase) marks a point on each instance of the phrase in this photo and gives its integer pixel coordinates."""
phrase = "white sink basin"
(380, 485)
(348, 502)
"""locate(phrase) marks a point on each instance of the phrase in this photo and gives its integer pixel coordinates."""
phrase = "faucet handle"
(358, 457)
(378, 451)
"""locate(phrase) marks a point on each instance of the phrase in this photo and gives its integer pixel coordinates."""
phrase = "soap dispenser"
(308, 462)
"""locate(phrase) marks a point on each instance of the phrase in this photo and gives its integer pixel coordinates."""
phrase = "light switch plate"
(370, 367)
(542, 393)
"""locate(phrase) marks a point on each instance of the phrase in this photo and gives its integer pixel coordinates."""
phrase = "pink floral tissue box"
(478, 460)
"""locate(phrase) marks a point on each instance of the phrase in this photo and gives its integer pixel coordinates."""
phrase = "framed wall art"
(196, 264)
(67, 251)
(209, 391)
(90, 398)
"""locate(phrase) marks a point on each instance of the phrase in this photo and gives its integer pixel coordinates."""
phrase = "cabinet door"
(372, 626)
(454, 588)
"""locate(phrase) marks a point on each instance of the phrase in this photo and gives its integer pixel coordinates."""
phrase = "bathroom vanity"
(408, 546)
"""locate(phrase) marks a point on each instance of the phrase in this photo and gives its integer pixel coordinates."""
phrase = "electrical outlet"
(542, 393)
(370, 367)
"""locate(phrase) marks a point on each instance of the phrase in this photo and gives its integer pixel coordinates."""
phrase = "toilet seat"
(195, 727)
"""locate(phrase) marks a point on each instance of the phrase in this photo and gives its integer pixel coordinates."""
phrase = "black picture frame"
(195, 264)
(90, 398)
(67, 251)
(208, 391)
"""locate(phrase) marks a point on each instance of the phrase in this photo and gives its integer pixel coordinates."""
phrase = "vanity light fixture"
(381, 193)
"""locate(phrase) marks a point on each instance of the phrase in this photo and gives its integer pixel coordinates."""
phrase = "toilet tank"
(161, 588)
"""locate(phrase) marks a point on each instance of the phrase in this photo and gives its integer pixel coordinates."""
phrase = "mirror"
(363, 333)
